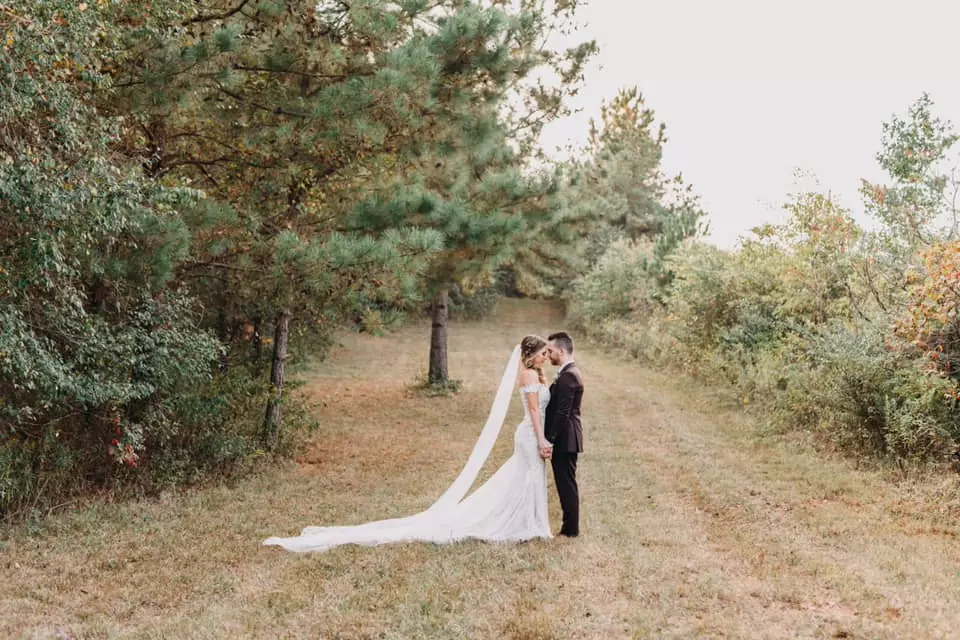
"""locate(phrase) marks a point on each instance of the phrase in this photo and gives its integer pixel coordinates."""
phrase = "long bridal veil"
(439, 522)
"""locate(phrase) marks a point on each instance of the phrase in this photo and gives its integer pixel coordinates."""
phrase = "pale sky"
(751, 90)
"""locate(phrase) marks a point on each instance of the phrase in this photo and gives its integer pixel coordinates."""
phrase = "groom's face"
(555, 354)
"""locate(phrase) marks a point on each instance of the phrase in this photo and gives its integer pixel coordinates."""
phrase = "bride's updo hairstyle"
(530, 346)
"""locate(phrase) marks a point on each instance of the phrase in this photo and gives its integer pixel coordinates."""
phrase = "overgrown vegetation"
(822, 325)
(196, 195)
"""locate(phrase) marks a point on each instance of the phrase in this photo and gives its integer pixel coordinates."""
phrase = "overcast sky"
(751, 90)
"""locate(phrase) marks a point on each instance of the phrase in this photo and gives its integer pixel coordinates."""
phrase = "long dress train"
(509, 507)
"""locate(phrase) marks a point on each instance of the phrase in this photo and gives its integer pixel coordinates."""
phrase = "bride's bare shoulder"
(527, 377)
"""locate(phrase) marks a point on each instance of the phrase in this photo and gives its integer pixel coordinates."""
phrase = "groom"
(562, 429)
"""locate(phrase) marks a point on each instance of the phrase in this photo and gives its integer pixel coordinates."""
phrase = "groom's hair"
(563, 340)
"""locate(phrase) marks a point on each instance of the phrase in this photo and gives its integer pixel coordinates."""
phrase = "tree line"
(845, 332)
(193, 192)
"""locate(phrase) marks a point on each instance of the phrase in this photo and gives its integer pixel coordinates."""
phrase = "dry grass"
(692, 528)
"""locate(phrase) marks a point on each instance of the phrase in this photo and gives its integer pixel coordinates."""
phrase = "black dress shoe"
(568, 535)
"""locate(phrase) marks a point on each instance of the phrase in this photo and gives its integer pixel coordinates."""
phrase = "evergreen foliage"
(197, 194)
(618, 193)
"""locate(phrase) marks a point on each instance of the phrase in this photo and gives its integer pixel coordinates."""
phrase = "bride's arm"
(529, 378)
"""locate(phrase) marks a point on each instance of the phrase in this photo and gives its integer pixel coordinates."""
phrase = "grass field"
(693, 527)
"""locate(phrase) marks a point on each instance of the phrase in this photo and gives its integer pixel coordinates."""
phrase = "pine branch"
(210, 178)
(220, 265)
(361, 266)
(194, 162)
(202, 136)
(516, 202)
(216, 16)
(172, 74)
(275, 110)
(305, 74)
(191, 162)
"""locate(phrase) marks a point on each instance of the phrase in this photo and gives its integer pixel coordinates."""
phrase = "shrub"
(618, 287)
(724, 307)
(865, 396)
(101, 353)
(823, 326)
(930, 324)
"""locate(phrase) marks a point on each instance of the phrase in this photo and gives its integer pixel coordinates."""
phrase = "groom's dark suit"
(562, 428)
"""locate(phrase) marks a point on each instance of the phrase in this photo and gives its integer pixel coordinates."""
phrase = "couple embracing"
(554, 415)
(512, 505)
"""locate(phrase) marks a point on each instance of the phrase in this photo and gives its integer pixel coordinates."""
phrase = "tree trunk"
(271, 424)
(438, 342)
(256, 342)
(223, 332)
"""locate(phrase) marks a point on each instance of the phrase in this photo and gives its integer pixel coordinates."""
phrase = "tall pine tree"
(287, 114)
(622, 186)
(472, 182)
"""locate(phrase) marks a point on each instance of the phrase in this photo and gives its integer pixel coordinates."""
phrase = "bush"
(736, 319)
(865, 397)
(718, 313)
(819, 324)
(930, 324)
(617, 288)
(107, 379)
(211, 429)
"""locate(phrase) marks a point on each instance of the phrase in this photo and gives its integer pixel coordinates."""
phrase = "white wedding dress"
(509, 507)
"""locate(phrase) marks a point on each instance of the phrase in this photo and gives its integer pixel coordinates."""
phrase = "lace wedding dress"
(509, 507)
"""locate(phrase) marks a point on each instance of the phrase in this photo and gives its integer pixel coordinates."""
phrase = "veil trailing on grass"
(442, 522)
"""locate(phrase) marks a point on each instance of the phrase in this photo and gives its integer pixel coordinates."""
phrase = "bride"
(509, 507)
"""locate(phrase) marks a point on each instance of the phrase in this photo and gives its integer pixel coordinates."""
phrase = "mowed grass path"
(692, 527)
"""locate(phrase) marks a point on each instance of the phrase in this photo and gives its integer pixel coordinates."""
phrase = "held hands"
(546, 449)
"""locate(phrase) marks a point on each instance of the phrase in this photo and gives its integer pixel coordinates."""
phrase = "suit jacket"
(561, 424)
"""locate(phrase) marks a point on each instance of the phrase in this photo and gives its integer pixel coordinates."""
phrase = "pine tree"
(622, 185)
(471, 183)
(293, 115)
(288, 114)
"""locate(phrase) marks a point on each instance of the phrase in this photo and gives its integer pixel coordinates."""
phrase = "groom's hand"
(546, 451)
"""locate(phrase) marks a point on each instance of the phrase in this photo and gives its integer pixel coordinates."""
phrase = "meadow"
(693, 526)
